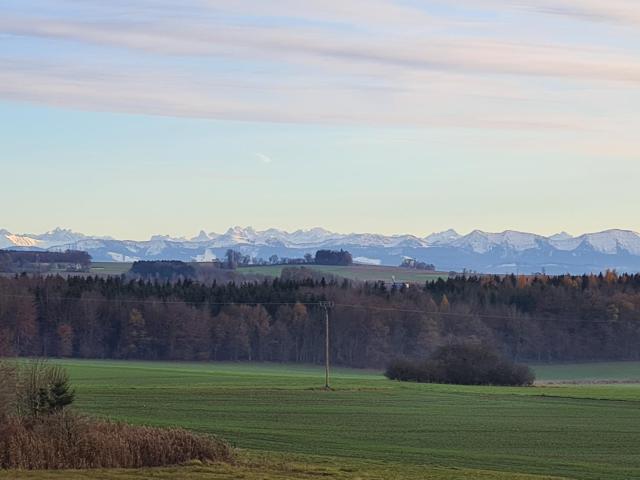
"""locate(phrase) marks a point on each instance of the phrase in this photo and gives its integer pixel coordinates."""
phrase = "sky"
(138, 117)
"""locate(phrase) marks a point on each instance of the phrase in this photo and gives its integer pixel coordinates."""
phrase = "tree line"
(333, 257)
(541, 318)
(13, 261)
(417, 265)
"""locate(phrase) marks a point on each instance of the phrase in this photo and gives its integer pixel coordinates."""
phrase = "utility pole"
(326, 305)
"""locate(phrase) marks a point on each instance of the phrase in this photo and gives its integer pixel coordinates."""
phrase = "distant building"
(398, 285)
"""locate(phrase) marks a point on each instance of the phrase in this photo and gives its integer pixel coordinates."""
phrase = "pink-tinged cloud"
(357, 62)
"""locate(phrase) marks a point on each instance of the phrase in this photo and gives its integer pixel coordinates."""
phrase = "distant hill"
(504, 252)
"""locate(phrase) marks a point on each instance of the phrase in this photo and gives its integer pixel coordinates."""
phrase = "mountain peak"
(238, 230)
(201, 237)
(561, 236)
(482, 242)
(442, 238)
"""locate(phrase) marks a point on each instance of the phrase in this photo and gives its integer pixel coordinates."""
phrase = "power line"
(523, 317)
(161, 302)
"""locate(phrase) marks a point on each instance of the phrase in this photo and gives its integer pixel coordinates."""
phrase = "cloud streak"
(315, 48)
(263, 158)
(436, 104)
(373, 62)
(624, 12)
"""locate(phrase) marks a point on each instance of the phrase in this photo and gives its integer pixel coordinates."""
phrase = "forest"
(20, 261)
(526, 318)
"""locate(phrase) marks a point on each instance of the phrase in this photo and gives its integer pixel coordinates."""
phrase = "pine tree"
(60, 393)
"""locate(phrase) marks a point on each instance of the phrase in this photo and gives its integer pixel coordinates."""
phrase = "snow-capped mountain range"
(508, 251)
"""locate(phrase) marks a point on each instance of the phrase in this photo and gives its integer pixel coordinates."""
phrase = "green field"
(370, 427)
(611, 372)
(364, 273)
(109, 268)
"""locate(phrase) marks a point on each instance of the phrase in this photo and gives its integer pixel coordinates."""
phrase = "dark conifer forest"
(528, 319)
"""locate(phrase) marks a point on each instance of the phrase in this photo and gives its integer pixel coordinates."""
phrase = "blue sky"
(137, 117)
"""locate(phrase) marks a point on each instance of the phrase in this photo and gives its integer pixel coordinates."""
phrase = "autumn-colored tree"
(134, 337)
(444, 304)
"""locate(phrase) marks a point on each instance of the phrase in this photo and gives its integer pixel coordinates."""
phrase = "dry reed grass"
(70, 441)
(8, 390)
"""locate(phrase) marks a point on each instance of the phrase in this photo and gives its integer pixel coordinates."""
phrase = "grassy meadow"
(370, 273)
(362, 273)
(110, 268)
(286, 427)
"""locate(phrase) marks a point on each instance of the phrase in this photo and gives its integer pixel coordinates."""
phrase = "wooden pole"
(326, 306)
(326, 348)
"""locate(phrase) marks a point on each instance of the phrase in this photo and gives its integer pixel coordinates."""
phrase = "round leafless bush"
(463, 363)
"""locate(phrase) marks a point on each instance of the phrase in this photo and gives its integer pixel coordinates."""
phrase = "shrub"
(42, 389)
(466, 363)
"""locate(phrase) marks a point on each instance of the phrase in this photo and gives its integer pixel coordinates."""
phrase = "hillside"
(363, 273)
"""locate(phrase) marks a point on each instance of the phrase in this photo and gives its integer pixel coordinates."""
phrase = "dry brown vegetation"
(7, 389)
(37, 431)
(66, 440)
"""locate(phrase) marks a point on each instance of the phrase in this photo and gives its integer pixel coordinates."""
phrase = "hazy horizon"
(222, 231)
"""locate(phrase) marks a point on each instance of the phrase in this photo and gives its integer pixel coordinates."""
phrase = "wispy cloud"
(362, 13)
(264, 158)
(373, 62)
(338, 54)
(625, 12)
(162, 92)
